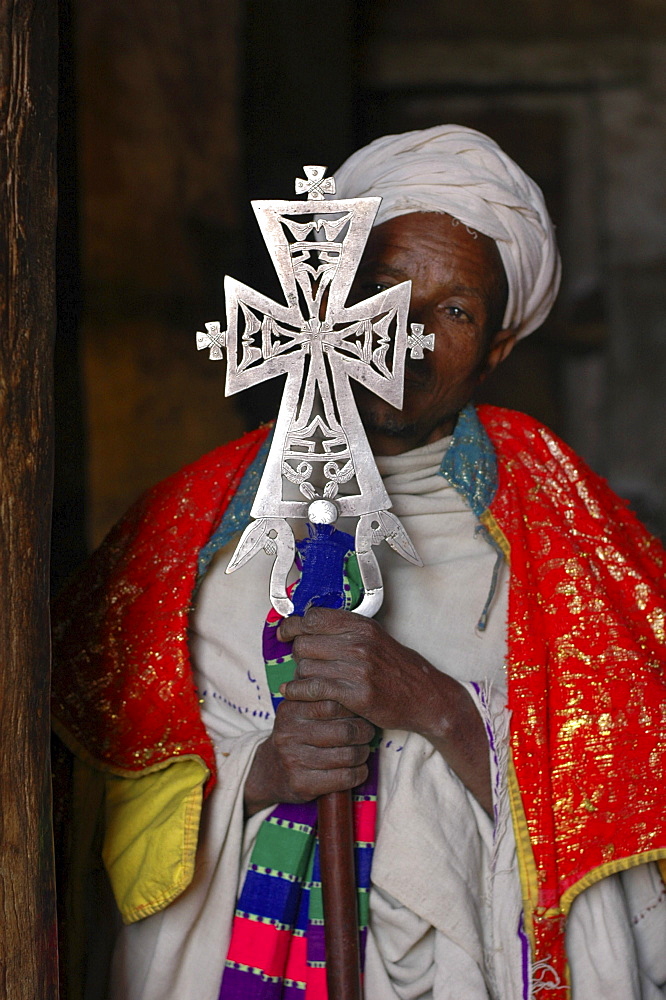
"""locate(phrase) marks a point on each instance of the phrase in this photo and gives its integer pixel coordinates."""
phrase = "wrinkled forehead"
(440, 256)
(436, 236)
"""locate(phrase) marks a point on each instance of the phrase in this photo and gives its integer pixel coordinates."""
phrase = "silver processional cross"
(320, 454)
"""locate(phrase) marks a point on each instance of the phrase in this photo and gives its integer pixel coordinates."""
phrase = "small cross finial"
(316, 185)
(417, 342)
(215, 339)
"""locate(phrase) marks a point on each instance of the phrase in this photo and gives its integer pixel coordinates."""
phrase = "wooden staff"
(322, 576)
(338, 881)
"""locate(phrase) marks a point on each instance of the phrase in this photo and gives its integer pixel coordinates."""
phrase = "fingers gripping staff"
(320, 465)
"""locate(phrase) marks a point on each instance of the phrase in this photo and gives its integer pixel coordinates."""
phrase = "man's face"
(459, 294)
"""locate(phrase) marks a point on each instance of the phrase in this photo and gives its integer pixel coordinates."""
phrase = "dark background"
(174, 114)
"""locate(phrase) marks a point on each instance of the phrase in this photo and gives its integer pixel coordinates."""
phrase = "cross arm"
(262, 336)
(372, 340)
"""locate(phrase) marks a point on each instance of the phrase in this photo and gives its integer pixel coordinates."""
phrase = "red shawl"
(587, 674)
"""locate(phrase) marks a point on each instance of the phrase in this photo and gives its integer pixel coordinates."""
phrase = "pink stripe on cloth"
(365, 816)
(296, 968)
(259, 945)
(316, 988)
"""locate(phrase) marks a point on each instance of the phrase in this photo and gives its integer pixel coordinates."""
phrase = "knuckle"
(318, 689)
(283, 741)
(367, 731)
(326, 709)
(355, 756)
(360, 648)
(354, 776)
(304, 668)
(283, 711)
(284, 717)
(352, 731)
(287, 627)
(315, 618)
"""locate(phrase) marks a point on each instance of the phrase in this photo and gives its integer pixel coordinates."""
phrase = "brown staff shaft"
(338, 880)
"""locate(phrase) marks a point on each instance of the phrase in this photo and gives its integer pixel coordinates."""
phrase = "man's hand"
(350, 660)
(316, 746)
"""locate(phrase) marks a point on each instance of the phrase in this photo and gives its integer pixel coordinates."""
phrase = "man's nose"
(418, 313)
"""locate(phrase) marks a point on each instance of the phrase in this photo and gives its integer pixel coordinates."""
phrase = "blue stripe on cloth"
(363, 860)
(303, 915)
(301, 923)
(269, 896)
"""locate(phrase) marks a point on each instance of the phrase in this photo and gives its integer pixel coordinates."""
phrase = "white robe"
(445, 908)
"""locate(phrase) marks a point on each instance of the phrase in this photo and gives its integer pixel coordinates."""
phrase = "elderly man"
(516, 678)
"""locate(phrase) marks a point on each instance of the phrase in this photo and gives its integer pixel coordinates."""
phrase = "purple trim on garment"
(525, 956)
(490, 733)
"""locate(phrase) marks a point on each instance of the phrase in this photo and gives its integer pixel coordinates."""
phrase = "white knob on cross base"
(323, 512)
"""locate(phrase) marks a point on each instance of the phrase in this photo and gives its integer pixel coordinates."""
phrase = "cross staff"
(319, 342)
(320, 465)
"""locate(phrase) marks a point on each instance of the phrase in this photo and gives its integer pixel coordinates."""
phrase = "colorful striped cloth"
(277, 947)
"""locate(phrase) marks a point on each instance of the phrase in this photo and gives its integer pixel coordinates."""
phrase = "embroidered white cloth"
(457, 170)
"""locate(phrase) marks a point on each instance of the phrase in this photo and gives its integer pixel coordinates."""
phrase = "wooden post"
(28, 90)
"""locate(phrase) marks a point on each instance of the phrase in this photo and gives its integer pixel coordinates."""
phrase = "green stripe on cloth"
(292, 847)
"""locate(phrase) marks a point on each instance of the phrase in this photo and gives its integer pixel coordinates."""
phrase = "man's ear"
(502, 344)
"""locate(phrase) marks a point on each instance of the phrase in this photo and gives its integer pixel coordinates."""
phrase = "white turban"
(462, 172)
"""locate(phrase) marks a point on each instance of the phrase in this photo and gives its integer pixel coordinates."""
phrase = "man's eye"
(374, 287)
(455, 312)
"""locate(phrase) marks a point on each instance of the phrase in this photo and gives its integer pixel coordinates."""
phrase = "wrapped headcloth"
(462, 172)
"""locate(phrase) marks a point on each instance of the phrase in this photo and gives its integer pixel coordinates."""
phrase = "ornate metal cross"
(320, 465)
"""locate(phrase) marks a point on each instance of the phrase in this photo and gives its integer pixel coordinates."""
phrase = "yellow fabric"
(496, 533)
(151, 829)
